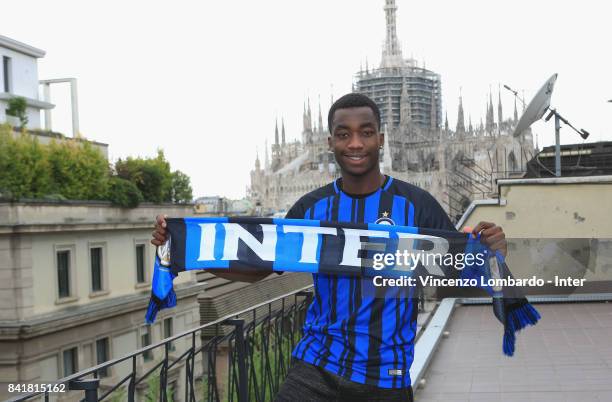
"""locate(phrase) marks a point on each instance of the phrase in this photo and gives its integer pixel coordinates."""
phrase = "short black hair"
(352, 100)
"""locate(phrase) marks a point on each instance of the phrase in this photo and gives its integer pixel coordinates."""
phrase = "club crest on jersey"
(384, 219)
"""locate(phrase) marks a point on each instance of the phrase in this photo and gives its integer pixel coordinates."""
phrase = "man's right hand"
(160, 233)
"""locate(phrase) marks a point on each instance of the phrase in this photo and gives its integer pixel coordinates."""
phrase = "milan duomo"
(455, 166)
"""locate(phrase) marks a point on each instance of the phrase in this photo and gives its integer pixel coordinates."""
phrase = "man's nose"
(355, 142)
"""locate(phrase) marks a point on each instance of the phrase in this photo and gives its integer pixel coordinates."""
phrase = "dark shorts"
(309, 383)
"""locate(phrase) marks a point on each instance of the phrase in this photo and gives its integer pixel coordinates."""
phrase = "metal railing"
(245, 359)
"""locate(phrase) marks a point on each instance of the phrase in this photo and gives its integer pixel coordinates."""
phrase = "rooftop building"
(586, 159)
(75, 280)
(19, 78)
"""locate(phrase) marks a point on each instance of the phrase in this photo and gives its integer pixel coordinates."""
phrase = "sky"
(205, 81)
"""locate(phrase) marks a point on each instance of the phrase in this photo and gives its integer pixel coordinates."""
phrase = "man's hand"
(492, 236)
(160, 233)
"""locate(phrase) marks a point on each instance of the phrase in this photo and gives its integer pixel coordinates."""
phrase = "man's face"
(355, 140)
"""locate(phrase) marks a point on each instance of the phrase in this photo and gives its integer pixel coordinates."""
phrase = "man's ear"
(329, 143)
(381, 140)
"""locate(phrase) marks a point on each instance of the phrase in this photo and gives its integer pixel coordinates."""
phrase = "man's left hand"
(492, 236)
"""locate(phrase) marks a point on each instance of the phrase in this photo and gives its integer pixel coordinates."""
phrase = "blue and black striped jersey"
(360, 333)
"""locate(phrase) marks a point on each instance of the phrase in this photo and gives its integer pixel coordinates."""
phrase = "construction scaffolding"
(421, 86)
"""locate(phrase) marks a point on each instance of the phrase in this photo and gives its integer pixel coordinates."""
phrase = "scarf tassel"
(155, 304)
(517, 319)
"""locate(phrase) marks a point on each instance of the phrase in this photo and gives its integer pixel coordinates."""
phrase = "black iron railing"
(241, 357)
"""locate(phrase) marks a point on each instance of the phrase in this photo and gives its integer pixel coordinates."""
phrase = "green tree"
(123, 193)
(73, 169)
(18, 107)
(24, 167)
(78, 170)
(152, 176)
(181, 188)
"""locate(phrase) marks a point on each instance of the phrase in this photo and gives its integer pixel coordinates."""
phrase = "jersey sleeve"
(296, 211)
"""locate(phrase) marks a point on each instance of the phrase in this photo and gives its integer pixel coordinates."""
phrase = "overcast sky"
(205, 80)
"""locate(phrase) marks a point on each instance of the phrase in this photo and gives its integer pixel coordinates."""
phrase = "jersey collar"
(385, 186)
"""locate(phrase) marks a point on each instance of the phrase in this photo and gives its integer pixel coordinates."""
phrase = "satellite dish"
(537, 107)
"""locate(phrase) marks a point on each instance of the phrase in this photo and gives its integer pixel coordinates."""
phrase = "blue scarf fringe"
(517, 319)
(156, 304)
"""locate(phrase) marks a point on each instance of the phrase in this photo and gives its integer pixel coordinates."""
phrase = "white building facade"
(19, 78)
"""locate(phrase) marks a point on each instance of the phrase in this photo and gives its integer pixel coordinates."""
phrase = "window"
(145, 340)
(102, 355)
(140, 264)
(169, 331)
(70, 359)
(63, 273)
(95, 254)
(6, 73)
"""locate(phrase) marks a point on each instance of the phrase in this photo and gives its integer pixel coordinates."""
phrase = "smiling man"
(358, 345)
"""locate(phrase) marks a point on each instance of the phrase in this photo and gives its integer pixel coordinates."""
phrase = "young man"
(358, 345)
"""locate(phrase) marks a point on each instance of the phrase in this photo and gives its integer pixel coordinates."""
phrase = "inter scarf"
(333, 248)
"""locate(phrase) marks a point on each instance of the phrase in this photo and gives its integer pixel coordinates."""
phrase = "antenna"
(515, 93)
(538, 106)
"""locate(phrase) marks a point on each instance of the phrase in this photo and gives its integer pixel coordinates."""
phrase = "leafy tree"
(181, 188)
(78, 170)
(24, 167)
(18, 107)
(152, 176)
(123, 193)
(73, 169)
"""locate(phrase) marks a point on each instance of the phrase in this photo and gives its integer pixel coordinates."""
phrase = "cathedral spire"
(500, 118)
(392, 54)
(276, 132)
(446, 122)
(489, 119)
(470, 127)
(283, 130)
(267, 159)
(460, 119)
(320, 116)
(309, 115)
(515, 112)
(257, 163)
(304, 124)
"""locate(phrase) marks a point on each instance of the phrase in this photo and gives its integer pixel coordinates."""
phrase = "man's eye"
(342, 134)
(368, 133)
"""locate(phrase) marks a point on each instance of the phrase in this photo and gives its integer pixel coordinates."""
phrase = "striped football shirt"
(364, 335)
